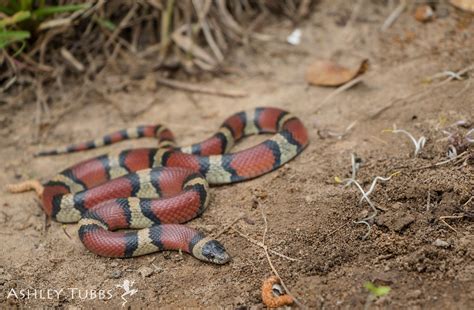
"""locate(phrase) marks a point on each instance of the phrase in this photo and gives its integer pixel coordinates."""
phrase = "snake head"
(215, 252)
(211, 251)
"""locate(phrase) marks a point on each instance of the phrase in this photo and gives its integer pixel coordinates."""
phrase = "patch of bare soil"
(421, 242)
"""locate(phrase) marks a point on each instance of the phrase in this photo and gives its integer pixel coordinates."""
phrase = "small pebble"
(115, 274)
(416, 294)
(424, 13)
(441, 243)
(397, 205)
(310, 199)
(145, 271)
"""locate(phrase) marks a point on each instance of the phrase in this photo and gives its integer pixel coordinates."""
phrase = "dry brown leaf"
(327, 73)
(466, 5)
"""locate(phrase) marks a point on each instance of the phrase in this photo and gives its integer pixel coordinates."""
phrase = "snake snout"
(215, 252)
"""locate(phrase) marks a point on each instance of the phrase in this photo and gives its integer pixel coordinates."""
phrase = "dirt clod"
(395, 220)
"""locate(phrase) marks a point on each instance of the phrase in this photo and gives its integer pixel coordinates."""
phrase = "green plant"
(20, 19)
(375, 292)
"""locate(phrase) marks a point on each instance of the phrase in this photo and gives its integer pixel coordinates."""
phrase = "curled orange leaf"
(273, 298)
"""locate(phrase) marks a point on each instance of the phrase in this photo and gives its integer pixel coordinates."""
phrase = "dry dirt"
(310, 217)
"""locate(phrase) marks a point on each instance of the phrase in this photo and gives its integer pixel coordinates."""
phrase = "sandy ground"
(310, 216)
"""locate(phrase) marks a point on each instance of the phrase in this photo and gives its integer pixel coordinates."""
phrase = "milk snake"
(155, 189)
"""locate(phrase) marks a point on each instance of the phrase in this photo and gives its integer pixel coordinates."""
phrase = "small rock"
(239, 301)
(384, 278)
(178, 257)
(397, 205)
(5, 278)
(441, 243)
(115, 274)
(415, 294)
(145, 271)
(403, 222)
(113, 264)
(424, 13)
(209, 228)
(384, 300)
(260, 193)
(363, 214)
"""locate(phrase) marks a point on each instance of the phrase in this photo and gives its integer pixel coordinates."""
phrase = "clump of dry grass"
(131, 38)
(191, 34)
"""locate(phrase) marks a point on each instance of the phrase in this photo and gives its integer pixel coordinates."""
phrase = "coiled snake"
(154, 190)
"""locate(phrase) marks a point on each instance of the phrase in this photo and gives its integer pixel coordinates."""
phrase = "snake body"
(154, 190)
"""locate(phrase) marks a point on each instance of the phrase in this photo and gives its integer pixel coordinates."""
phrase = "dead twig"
(265, 248)
(69, 57)
(6, 217)
(227, 227)
(460, 216)
(251, 240)
(394, 15)
(335, 230)
(187, 44)
(324, 133)
(202, 8)
(341, 89)
(456, 75)
(65, 232)
(465, 153)
(303, 9)
(123, 23)
(442, 219)
(428, 201)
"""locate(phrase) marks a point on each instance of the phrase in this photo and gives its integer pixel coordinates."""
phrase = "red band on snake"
(156, 189)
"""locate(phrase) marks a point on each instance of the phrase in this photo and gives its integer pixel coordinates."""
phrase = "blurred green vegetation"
(21, 19)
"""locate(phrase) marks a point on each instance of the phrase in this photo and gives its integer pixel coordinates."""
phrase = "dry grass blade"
(394, 15)
(123, 24)
(60, 22)
(187, 44)
(67, 55)
(202, 8)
